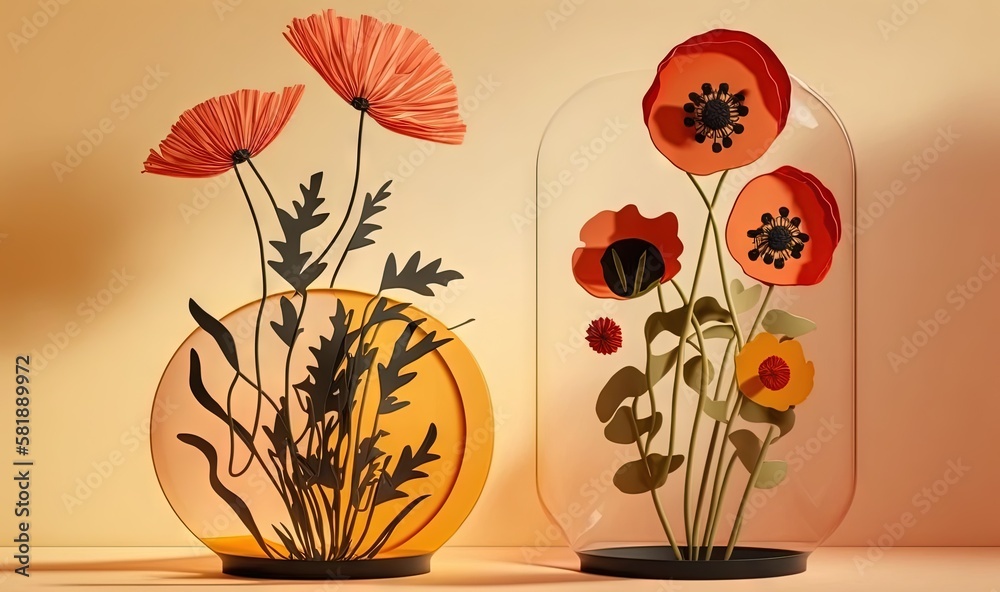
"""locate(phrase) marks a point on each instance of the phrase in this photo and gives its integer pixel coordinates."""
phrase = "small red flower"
(212, 137)
(388, 71)
(604, 336)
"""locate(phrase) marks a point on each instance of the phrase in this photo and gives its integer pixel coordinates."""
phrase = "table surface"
(497, 569)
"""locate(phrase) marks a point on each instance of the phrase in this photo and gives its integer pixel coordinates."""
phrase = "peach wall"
(98, 261)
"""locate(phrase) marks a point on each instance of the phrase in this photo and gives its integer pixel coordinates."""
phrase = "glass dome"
(673, 442)
(421, 445)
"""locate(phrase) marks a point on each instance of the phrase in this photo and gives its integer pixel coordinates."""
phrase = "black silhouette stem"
(350, 204)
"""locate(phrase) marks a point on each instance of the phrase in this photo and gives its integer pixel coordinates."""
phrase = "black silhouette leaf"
(292, 262)
(205, 399)
(407, 468)
(383, 538)
(234, 501)
(289, 319)
(218, 331)
(391, 376)
(415, 278)
(327, 380)
(372, 206)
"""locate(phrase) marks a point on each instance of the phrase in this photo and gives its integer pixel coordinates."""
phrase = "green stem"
(719, 488)
(718, 250)
(711, 448)
(746, 492)
(644, 450)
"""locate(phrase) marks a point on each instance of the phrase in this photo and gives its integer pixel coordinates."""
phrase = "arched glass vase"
(711, 439)
(392, 433)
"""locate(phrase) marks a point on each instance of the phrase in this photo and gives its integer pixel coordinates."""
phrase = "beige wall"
(913, 80)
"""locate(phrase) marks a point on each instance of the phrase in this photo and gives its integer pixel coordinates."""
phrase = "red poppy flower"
(219, 133)
(604, 336)
(387, 70)
(718, 102)
(625, 255)
(784, 228)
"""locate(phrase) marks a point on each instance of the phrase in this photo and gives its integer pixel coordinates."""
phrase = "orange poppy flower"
(718, 102)
(386, 70)
(784, 228)
(625, 255)
(774, 373)
(220, 133)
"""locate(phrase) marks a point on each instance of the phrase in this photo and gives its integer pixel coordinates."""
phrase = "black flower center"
(632, 267)
(777, 239)
(360, 103)
(241, 156)
(715, 114)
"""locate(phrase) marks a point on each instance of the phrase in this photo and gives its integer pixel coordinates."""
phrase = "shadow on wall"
(58, 243)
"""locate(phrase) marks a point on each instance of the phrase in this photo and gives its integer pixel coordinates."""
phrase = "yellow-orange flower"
(774, 373)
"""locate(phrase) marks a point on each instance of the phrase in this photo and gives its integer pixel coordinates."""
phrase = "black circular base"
(363, 569)
(659, 563)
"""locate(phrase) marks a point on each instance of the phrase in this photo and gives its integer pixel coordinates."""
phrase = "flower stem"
(719, 488)
(746, 492)
(350, 204)
(644, 449)
(260, 315)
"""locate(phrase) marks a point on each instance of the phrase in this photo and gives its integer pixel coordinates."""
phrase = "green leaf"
(772, 473)
(755, 413)
(717, 410)
(218, 331)
(633, 477)
(780, 322)
(627, 383)
(748, 445)
(620, 429)
(658, 322)
(744, 299)
(692, 372)
(706, 310)
(719, 332)
(661, 365)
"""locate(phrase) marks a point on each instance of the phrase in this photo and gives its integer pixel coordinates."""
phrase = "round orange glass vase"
(373, 499)
(696, 317)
